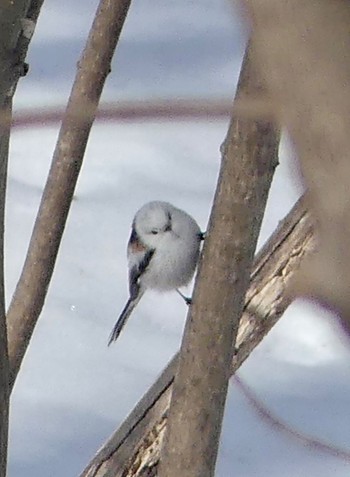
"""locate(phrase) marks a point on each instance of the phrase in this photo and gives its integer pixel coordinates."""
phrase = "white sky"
(73, 391)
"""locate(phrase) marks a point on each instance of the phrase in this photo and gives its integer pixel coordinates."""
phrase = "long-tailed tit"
(162, 252)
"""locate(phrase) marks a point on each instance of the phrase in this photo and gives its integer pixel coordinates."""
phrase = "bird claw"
(186, 299)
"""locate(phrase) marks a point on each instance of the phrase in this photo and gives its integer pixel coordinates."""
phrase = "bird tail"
(128, 308)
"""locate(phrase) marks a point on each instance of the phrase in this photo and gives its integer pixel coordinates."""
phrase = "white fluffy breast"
(176, 248)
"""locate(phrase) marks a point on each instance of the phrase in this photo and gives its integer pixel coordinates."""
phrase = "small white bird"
(162, 252)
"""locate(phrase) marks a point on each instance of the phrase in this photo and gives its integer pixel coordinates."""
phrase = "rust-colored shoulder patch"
(136, 246)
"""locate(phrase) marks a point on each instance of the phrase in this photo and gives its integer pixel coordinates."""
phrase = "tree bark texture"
(303, 49)
(249, 158)
(93, 69)
(134, 449)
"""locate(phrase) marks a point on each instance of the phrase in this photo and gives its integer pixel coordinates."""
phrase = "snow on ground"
(73, 391)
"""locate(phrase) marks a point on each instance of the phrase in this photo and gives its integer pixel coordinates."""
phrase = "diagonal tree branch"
(249, 158)
(134, 449)
(272, 279)
(93, 69)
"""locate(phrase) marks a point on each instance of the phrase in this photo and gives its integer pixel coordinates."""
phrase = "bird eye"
(154, 232)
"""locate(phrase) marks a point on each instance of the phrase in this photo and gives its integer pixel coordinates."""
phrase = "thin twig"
(152, 110)
(310, 442)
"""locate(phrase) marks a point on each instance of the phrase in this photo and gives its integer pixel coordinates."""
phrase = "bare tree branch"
(12, 16)
(134, 449)
(273, 276)
(304, 55)
(249, 158)
(4, 365)
(14, 41)
(93, 69)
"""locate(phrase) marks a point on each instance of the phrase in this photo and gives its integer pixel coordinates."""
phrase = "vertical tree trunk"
(17, 22)
(250, 155)
(4, 368)
(11, 17)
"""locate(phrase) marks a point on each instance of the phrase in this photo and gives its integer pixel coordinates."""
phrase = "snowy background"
(73, 391)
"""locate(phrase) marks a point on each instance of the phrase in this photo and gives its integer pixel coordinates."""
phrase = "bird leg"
(187, 299)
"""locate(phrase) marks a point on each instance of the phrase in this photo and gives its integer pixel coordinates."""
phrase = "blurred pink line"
(168, 110)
